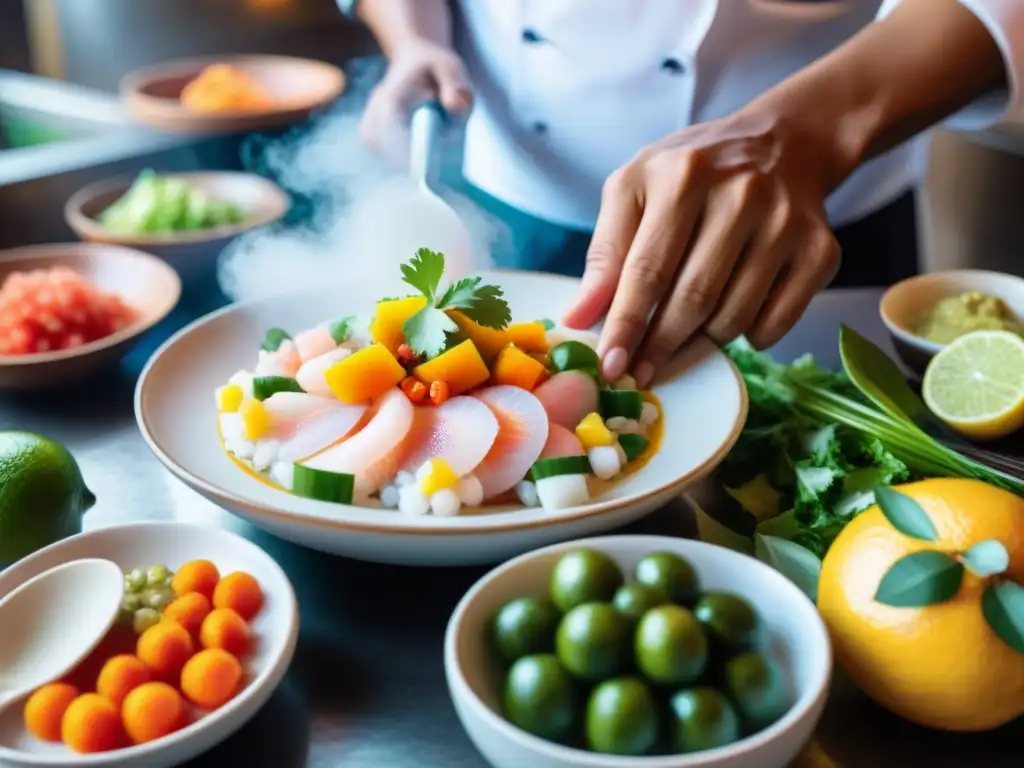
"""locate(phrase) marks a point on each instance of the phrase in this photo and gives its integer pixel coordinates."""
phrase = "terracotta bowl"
(905, 304)
(190, 253)
(145, 282)
(298, 86)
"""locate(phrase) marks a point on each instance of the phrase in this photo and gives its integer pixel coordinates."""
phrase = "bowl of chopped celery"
(186, 219)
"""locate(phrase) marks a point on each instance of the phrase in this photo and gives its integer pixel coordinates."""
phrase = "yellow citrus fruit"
(941, 665)
(976, 384)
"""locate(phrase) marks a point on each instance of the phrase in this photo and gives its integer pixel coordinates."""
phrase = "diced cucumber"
(548, 323)
(341, 330)
(628, 404)
(633, 445)
(574, 355)
(273, 338)
(265, 386)
(560, 465)
(195, 209)
(322, 485)
(562, 492)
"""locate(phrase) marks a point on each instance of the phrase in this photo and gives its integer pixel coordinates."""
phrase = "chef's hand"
(719, 228)
(417, 70)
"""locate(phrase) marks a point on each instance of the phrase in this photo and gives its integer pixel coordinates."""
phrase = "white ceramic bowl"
(905, 304)
(702, 395)
(275, 628)
(795, 635)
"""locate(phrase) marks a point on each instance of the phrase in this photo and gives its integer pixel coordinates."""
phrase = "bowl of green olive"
(637, 652)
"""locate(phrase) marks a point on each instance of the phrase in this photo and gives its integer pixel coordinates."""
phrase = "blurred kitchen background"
(61, 128)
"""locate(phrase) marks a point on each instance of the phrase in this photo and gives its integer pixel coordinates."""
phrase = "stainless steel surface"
(367, 686)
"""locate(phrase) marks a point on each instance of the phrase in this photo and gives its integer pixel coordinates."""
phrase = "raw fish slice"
(561, 442)
(285, 361)
(461, 431)
(568, 397)
(522, 433)
(311, 375)
(313, 343)
(305, 424)
(374, 453)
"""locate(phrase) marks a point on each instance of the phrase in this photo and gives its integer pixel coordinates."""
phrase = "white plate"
(275, 628)
(794, 634)
(703, 398)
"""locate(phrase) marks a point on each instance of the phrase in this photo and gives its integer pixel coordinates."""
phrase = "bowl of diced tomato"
(69, 310)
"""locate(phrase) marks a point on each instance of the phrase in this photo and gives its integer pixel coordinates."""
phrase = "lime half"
(976, 384)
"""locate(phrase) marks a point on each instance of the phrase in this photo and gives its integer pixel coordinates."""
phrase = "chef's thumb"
(453, 88)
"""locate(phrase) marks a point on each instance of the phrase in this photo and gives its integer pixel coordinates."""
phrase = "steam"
(352, 191)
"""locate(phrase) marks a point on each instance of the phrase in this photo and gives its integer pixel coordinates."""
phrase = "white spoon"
(53, 621)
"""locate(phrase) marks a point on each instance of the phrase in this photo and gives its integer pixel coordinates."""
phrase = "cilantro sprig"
(430, 330)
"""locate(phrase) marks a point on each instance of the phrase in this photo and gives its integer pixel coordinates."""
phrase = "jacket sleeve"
(1004, 20)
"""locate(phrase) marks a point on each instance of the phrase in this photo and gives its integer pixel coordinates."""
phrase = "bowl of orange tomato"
(207, 628)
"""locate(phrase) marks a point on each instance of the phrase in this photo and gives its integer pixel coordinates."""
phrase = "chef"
(705, 164)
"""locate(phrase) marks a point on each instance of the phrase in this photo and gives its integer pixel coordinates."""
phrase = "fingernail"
(643, 375)
(614, 363)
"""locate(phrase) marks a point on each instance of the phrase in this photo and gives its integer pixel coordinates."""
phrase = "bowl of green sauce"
(926, 312)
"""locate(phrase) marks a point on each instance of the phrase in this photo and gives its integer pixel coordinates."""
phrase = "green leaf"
(987, 558)
(427, 331)
(905, 514)
(784, 526)
(796, 563)
(341, 330)
(858, 492)
(815, 480)
(424, 271)
(489, 308)
(1002, 605)
(922, 578)
(713, 532)
(460, 295)
(273, 339)
(882, 381)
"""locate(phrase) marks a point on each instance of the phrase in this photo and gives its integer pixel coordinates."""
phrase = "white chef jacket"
(566, 91)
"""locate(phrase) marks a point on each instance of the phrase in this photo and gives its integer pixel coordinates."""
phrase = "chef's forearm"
(923, 62)
(397, 22)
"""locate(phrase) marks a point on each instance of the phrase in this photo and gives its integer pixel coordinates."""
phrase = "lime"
(592, 641)
(622, 718)
(729, 621)
(760, 689)
(540, 697)
(976, 384)
(634, 600)
(702, 718)
(584, 576)
(42, 494)
(525, 626)
(670, 573)
(670, 646)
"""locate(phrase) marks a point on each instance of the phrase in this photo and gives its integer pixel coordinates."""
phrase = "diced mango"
(391, 314)
(439, 477)
(255, 419)
(364, 375)
(229, 397)
(489, 341)
(529, 337)
(515, 367)
(593, 433)
(461, 368)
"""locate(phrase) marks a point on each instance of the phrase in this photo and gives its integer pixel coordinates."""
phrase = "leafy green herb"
(1002, 605)
(273, 339)
(905, 514)
(987, 558)
(798, 564)
(341, 331)
(919, 579)
(428, 332)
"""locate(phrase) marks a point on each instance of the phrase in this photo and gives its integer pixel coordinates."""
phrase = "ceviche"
(436, 404)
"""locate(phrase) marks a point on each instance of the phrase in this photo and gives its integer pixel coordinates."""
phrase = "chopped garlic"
(616, 423)
(470, 491)
(389, 496)
(244, 380)
(527, 493)
(445, 503)
(604, 460)
(283, 473)
(403, 479)
(411, 501)
(231, 427)
(265, 455)
(649, 415)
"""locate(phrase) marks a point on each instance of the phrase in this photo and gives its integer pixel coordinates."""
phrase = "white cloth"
(569, 90)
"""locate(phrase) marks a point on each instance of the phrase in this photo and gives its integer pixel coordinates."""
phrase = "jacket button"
(531, 36)
(673, 66)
